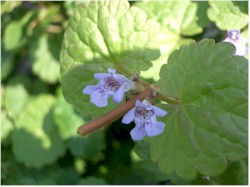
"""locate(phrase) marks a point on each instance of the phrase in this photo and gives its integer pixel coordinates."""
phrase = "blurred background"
(38, 127)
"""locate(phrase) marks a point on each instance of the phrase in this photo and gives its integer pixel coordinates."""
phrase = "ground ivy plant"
(193, 119)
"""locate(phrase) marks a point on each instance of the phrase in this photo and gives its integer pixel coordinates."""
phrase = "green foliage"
(205, 139)
(233, 15)
(106, 32)
(209, 126)
(36, 134)
(173, 26)
(236, 174)
(45, 59)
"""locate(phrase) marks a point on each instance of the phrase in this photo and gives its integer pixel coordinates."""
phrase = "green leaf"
(145, 167)
(7, 64)
(15, 96)
(209, 126)
(45, 59)
(13, 36)
(178, 16)
(65, 117)
(83, 146)
(36, 141)
(110, 32)
(236, 174)
(92, 181)
(230, 14)
(6, 126)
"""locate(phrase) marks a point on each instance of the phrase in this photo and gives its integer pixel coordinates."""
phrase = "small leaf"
(15, 96)
(209, 126)
(13, 36)
(45, 62)
(36, 141)
(230, 14)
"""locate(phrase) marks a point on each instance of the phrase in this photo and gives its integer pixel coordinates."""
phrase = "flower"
(239, 42)
(144, 115)
(110, 84)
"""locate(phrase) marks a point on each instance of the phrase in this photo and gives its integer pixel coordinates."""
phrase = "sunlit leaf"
(209, 126)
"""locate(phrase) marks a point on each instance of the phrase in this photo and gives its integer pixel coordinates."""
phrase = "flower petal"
(89, 89)
(118, 95)
(100, 76)
(138, 132)
(98, 99)
(155, 128)
(129, 117)
(111, 70)
(159, 112)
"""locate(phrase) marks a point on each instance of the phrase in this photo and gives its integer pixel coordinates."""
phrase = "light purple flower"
(110, 84)
(144, 115)
(239, 42)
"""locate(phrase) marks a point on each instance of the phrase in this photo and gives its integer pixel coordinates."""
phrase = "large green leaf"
(36, 141)
(209, 126)
(45, 59)
(228, 15)
(110, 32)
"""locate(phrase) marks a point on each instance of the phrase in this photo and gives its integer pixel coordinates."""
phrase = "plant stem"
(113, 115)
(169, 100)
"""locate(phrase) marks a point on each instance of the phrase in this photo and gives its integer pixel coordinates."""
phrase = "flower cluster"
(144, 116)
(238, 41)
(110, 84)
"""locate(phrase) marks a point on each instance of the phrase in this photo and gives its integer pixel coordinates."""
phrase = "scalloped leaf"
(232, 14)
(36, 141)
(110, 32)
(209, 126)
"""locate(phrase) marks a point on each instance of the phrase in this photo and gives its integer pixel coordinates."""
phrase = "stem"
(169, 100)
(113, 115)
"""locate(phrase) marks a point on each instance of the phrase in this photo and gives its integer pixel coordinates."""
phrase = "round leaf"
(230, 14)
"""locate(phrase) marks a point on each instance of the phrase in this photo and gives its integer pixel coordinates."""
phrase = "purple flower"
(239, 42)
(144, 115)
(110, 84)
